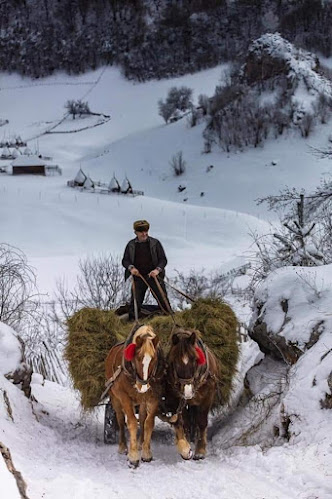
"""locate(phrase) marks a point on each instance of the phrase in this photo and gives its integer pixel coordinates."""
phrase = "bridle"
(199, 377)
(129, 369)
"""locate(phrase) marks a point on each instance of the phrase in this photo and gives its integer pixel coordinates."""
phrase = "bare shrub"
(323, 108)
(75, 107)
(306, 125)
(203, 103)
(100, 284)
(177, 100)
(193, 117)
(178, 164)
(166, 110)
(19, 297)
(199, 284)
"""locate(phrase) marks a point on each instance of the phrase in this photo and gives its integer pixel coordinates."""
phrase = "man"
(145, 256)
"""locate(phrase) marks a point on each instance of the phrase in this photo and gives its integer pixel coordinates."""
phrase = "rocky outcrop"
(327, 402)
(274, 342)
(271, 55)
(21, 485)
(290, 312)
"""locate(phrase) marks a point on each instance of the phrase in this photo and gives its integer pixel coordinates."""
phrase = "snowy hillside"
(136, 143)
(58, 450)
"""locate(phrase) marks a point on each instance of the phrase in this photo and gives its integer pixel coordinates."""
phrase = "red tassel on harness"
(129, 351)
(201, 360)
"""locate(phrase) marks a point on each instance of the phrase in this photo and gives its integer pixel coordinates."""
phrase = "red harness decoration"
(129, 352)
(201, 360)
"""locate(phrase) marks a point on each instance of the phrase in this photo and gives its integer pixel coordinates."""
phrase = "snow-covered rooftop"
(28, 161)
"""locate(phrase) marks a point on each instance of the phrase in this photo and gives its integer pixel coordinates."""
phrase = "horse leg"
(152, 409)
(133, 455)
(202, 421)
(142, 418)
(121, 422)
(182, 443)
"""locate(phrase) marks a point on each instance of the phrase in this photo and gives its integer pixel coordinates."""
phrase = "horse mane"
(147, 335)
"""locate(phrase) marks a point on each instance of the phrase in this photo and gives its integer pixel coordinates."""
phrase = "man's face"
(142, 236)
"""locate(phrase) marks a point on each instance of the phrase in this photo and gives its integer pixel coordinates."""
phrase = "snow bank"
(10, 350)
(294, 303)
(306, 293)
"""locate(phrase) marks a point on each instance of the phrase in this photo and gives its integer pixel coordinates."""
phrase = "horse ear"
(129, 351)
(201, 359)
(175, 339)
(193, 338)
(155, 341)
(139, 341)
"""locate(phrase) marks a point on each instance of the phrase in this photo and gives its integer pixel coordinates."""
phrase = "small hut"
(24, 165)
(6, 153)
(80, 178)
(89, 184)
(126, 187)
(114, 185)
(27, 151)
(16, 153)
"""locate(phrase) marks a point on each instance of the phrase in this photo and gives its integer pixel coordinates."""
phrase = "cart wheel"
(110, 425)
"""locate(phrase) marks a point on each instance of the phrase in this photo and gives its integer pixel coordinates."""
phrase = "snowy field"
(59, 452)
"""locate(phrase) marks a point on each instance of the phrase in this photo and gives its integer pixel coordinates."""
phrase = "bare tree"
(19, 297)
(177, 100)
(306, 125)
(100, 284)
(178, 164)
(166, 110)
(79, 107)
(294, 244)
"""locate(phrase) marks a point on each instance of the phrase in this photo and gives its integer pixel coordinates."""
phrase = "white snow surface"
(59, 451)
(10, 350)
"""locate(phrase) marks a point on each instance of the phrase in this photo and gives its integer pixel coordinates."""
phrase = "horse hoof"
(199, 456)
(133, 464)
(188, 456)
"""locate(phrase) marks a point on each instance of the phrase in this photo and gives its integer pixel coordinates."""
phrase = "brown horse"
(191, 384)
(137, 368)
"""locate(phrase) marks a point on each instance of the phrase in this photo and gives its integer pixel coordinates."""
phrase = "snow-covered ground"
(59, 452)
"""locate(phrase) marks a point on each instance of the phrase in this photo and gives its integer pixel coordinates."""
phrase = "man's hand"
(134, 271)
(154, 273)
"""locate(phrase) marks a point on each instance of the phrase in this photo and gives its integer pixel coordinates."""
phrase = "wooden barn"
(24, 165)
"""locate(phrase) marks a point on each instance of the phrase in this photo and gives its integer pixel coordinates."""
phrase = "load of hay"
(217, 324)
(93, 332)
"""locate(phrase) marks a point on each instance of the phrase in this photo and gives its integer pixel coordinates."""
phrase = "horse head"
(185, 360)
(142, 352)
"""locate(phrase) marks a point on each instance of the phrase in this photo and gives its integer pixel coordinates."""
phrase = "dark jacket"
(157, 254)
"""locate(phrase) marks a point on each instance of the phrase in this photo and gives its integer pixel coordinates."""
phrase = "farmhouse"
(24, 165)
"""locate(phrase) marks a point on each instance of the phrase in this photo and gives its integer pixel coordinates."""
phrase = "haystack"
(91, 334)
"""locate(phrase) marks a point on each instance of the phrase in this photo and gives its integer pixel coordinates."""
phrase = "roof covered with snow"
(28, 161)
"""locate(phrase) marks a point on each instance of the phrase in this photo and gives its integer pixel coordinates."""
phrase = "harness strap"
(110, 382)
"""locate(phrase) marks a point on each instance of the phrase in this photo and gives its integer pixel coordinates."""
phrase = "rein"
(169, 311)
(180, 292)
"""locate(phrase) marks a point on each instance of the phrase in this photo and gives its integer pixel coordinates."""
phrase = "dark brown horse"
(138, 369)
(191, 383)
